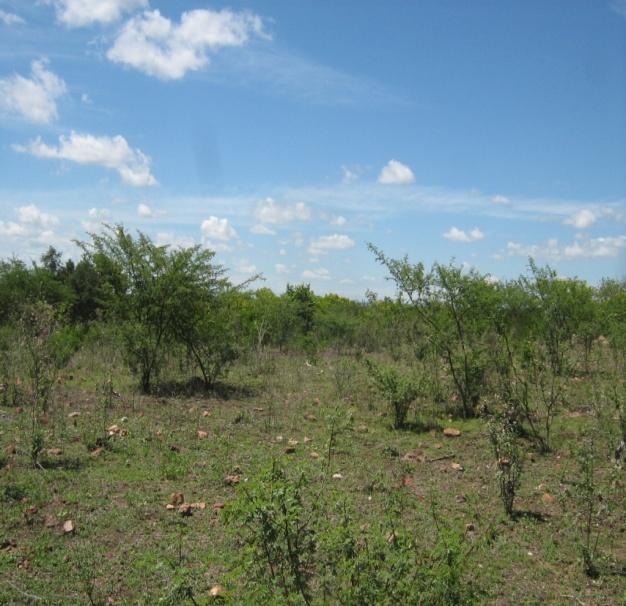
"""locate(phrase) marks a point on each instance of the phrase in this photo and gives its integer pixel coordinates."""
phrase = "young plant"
(508, 461)
(274, 526)
(399, 391)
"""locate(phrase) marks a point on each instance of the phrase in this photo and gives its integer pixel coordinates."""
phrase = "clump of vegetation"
(508, 461)
(399, 391)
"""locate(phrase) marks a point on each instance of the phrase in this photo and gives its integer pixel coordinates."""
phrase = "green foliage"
(274, 526)
(508, 461)
(399, 391)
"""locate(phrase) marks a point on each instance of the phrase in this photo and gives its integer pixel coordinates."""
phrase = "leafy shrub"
(399, 391)
(508, 461)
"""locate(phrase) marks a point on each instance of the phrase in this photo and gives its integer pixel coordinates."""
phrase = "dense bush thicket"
(515, 336)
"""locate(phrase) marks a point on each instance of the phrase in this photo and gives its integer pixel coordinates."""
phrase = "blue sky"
(286, 135)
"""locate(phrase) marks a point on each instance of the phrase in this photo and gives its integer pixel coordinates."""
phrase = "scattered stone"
(113, 430)
(216, 591)
(201, 505)
(451, 432)
(258, 409)
(457, 467)
(337, 476)
(310, 417)
(54, 451)
(170, 507)
(218, 505)
(547, 498)
(279, 438)
(74, 414)
(50, 520)
(292, 442)
(202, 434)
(176, 498)
(307, 440)
(206, 413)
(232, 479)
(185, 510)
(315, 455)
(461, 498)
(68, 527)
(124, 420)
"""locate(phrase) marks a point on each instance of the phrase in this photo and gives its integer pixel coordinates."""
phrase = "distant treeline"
(160, 299)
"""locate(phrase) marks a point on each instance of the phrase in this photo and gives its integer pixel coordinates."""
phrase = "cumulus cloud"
(173, 240)
(582, 219)
(268, 211)
(458, 235)
(32, 98)
(262, 230)
(503, 200)
(31, 215)
(217, 233)
(147, 212)
(581, 248)
(155, 45)
(114, 153)
(281, 268)
(321, 273)
(32, 224)
(339, 221)
(79, 13)
(10, 18)
(327, 243)
(396, 173)
(243, 266)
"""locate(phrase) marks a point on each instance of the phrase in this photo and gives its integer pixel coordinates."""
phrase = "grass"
(127, 548)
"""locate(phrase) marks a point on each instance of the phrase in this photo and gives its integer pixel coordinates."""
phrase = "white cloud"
(281, 268)
(158, 47)
(582, 219)
(11, 229)
(500, 200)
(282, 252)
(339, 221)
(79, 13)
(214, 228)
(147, 212)
(243, 266)
(174, 240)
(10, 18)
(321, 273)
(98, 213)
(31, 215)
(349, 174)
(262, 230)
(582, 248)
(268, 211)
(34, 99)
(86, 99)
(396, 173)
(458, 235)
(327, 243)
(114, 153)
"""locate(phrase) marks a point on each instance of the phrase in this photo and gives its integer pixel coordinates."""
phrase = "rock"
(201, 505)
(292, 442)
(185, 509)
(68, 527)
(50, 520)
(310, 417)
(218, 505)
(232, 479)
(54, 451)
(451, 432)
(217, 591)
(206, 413)
(113, 430)
(176, 498)
(315, 455)
(457, 467)
(337, 476)
(74, 414)
(203, 434)
(170, 507)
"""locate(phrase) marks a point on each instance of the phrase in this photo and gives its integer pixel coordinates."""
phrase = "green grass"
(129, 549)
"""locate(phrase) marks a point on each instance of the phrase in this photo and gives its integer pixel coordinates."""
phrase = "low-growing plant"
(274, 527)
(508, 460)
(400, 391)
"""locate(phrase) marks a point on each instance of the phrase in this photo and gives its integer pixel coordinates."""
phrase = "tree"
(151, 290)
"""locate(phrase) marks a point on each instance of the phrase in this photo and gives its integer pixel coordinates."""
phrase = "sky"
(287, 135)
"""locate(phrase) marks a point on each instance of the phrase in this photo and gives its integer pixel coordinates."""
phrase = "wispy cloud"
(10, 19)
